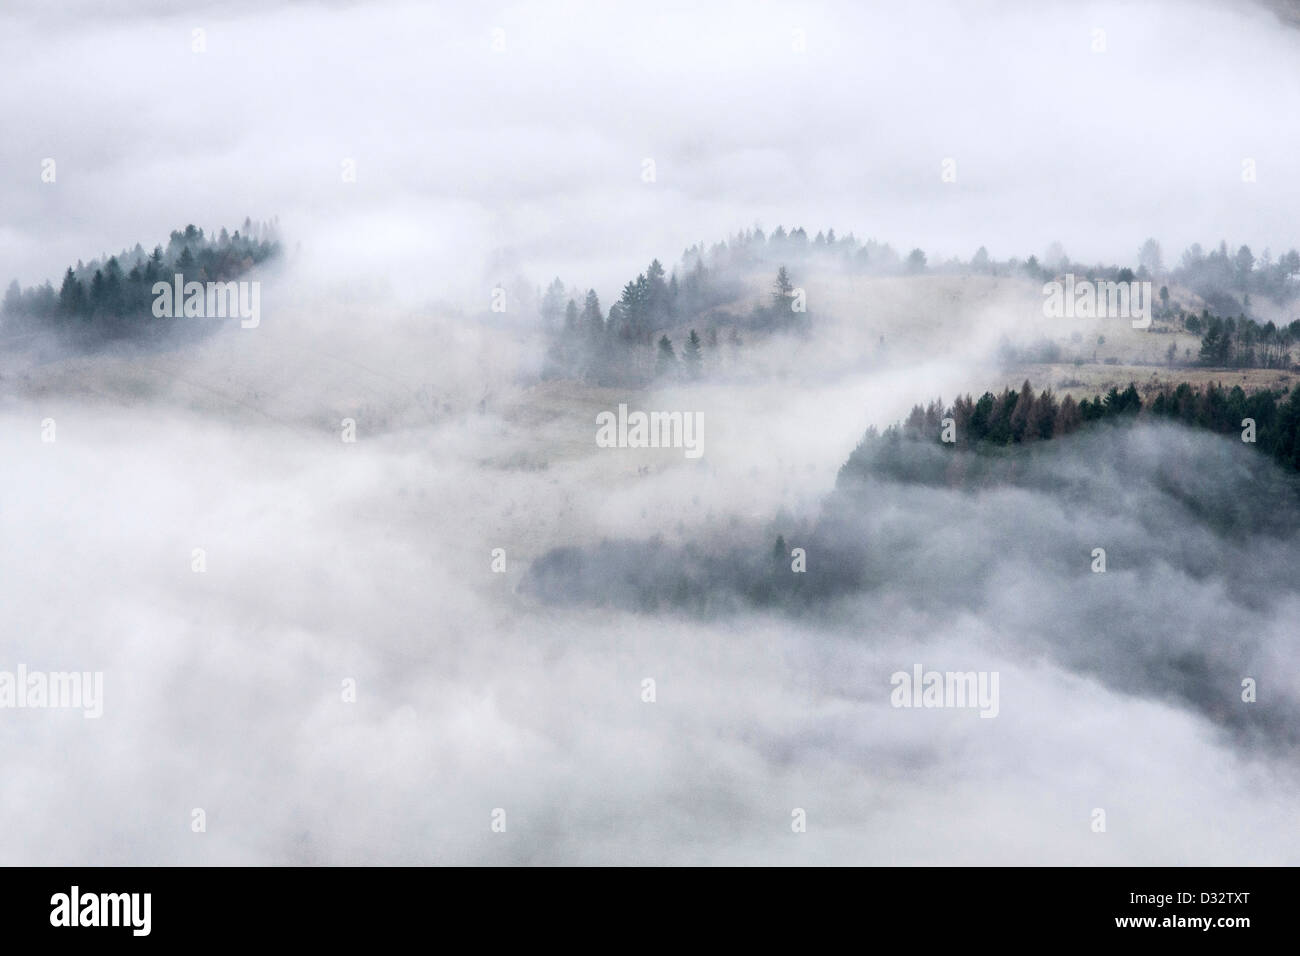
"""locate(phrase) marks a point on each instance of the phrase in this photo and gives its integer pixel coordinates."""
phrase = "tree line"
(627, 345)
(1243, 342)
(621, 348)
(1219, 276)
(114, 296)
(1271, 417)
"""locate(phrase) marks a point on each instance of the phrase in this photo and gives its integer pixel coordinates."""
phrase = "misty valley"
(1108, 525)
(692, 443)
(933, 521)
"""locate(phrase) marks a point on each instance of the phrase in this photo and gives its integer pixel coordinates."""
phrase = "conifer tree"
(666, 360)
(692, 356)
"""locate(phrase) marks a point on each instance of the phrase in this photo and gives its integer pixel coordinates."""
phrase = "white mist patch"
(372, 563)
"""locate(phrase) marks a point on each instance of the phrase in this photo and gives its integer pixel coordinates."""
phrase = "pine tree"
(592, 325)
(656, 294)
(1021, 412)
(592, 321)
(573, 339)
(1068, 417)
(666, 361)
(71, 294)
(1042, 419)
(999, 430)
(783, 289)
(692, 356)
(551, 308)
(782, 297)
(97, 302)
(636, 308)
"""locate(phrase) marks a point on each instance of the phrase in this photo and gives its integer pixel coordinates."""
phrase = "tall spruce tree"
(693, 356)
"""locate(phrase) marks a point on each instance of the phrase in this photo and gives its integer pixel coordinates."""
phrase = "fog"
(329, 564)
(472, 163)
(370, 561)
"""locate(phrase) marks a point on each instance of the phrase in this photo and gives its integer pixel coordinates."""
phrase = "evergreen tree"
(1042, 419)
(114, 301)
(1216, 344)
(782, 293)
(592, 324)
(635, 308)
(97, 302)
(592, 321)
(666, 360)
(1021, 413)
(656, 294)
(692, 355)
(551, 308)
(71, 295)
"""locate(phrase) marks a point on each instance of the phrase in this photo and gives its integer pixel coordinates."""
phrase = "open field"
(1088, 380)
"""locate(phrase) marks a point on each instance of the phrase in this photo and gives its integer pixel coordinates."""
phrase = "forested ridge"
(669, 324)
(1267, 420)
(112, 297)
(862, 535)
